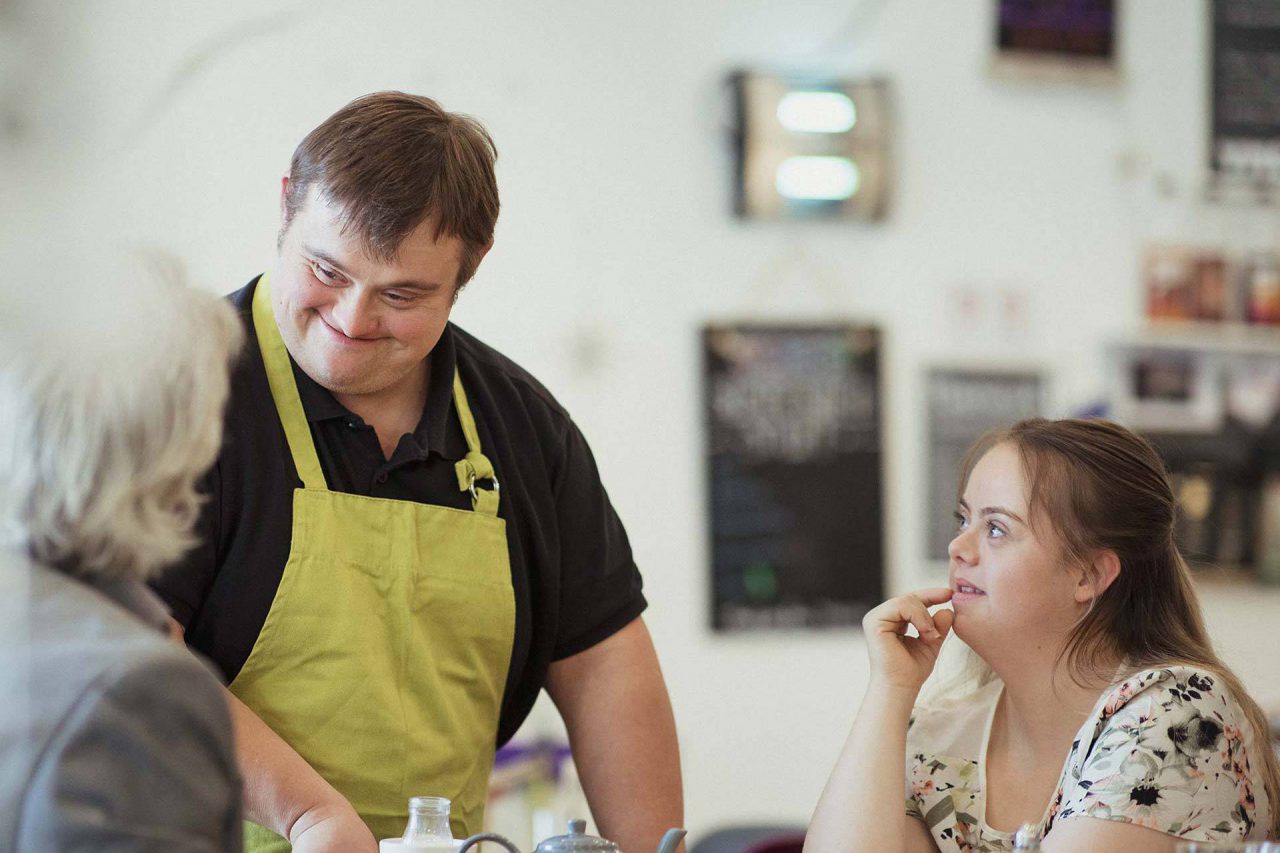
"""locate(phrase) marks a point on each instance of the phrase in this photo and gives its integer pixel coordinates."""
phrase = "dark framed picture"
(1069, 40)
(794, 475)
(1244, 142)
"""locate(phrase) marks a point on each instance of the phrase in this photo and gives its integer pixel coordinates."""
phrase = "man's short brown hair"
(392, 160)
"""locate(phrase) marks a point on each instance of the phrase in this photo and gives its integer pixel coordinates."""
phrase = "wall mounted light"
(809, 148)
(817, 178)
(817, 112)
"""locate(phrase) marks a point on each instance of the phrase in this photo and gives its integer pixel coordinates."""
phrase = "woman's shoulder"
(1179, 709)
(1168, 691)
(1166, 748)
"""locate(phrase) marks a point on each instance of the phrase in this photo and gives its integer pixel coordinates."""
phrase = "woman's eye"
(961, 521)
(994, 530)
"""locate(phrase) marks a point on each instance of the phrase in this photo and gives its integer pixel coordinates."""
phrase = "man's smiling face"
(357, 324)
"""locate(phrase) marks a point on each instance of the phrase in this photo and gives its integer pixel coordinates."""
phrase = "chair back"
(756, 838)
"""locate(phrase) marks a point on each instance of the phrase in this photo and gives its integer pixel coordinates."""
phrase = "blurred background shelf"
(1213, 337)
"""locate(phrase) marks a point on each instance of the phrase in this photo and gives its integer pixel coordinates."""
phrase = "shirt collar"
(432, 432)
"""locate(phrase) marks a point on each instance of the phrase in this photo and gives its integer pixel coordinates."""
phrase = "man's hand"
(331, 829)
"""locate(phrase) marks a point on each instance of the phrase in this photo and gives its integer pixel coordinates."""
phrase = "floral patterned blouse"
(1167, 749)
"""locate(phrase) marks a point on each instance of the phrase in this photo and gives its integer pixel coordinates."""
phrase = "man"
(407, 537)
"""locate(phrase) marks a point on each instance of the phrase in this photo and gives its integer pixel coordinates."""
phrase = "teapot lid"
(577, 840)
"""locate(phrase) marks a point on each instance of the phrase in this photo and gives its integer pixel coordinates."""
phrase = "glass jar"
(428, 821)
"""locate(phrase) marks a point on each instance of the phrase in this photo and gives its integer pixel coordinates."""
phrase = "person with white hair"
(112, 737)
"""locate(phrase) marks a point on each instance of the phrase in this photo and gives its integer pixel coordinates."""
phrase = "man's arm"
(284, 793)
(614, 702)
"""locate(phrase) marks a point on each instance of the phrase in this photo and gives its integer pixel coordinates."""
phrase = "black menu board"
(794, 467)
(1246, 86)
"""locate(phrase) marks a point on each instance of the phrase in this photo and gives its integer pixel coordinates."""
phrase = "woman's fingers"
(934, 595)
(918, 615)
(907, 661)
(913, 608)
(943, 620)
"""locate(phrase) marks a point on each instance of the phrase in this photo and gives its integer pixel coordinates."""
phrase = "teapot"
(577, 841)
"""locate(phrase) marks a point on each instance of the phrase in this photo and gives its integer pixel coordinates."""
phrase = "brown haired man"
(407, 537)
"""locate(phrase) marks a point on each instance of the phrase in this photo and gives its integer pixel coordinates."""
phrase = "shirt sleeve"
(1168, 754)
(600, 585)
(184, 586)
(144, 762)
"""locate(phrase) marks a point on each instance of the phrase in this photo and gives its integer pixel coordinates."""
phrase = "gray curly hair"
(111, 406)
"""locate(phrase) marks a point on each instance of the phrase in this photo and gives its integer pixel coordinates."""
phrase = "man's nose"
(355, 313)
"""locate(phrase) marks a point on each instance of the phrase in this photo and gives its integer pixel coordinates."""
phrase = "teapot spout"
(671, 840)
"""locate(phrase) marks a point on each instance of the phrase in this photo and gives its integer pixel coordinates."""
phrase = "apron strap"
(284, 390)
(475, 465)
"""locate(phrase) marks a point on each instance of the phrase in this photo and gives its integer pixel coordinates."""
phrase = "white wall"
(170, 124)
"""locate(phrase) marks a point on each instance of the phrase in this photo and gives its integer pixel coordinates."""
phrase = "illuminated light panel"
(817, 178)
(817, 112)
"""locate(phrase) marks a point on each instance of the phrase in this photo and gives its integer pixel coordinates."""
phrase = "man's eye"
(323, 273)
(397, 298)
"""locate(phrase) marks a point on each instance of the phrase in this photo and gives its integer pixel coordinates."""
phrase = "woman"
(112, 737)
(1097, 710)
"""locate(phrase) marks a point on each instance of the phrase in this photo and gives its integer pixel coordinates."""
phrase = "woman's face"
(1012, 587)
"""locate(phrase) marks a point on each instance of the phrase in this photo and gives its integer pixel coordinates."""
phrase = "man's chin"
(346, 380)
(352, 388)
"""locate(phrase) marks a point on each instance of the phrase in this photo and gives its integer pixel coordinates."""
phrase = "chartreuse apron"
(384, 656)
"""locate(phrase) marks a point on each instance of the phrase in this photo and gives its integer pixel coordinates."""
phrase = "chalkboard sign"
(794, 466)
(1246, 87)
(964, 404)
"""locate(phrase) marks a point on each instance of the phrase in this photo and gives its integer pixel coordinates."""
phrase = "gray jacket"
(112, 737)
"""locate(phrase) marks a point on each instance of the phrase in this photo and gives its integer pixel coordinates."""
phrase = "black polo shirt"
(571, 566)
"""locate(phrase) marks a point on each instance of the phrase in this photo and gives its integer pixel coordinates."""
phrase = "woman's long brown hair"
(1100, 487)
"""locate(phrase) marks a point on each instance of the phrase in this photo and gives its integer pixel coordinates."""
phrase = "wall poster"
(794, 472)
(1057, 39)
(1246, 89)
(964, 404)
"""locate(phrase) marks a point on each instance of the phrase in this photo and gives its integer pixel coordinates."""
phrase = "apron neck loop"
(284, 390)
(475, 466)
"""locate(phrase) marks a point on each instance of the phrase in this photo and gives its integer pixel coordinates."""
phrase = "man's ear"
(1096, 577)
(457, 290)
(284, 192)
(482, 253)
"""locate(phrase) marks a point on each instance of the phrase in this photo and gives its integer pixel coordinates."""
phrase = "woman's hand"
(899, 661)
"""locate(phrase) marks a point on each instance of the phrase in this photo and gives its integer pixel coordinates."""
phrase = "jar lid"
(577, 840)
